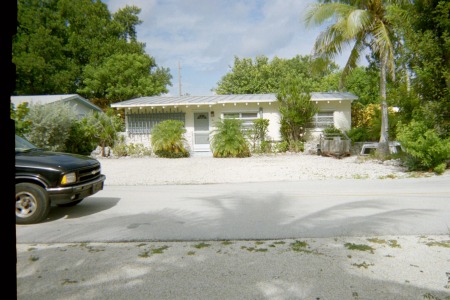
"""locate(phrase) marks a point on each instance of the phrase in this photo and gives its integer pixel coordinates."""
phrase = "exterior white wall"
(341, 114)
(341, 109)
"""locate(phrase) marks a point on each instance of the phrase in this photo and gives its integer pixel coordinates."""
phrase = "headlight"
(69, 178)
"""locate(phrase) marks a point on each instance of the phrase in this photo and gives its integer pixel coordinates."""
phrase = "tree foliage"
(425, 150)
(261, 75)
(65, 46)
(125, 76)
(102, 128)
(19, 115)
(427, 54)
(50, 125)
(296, 111)
(362, 24)
(257, 135)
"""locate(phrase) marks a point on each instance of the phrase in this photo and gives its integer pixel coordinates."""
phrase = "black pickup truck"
(45, 178)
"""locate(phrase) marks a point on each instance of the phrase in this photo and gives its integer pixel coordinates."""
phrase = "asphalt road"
(270, 240)
(266, 210)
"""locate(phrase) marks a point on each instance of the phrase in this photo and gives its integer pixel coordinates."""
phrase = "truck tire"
(32, 203)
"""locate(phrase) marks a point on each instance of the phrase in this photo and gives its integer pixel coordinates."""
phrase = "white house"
(200, 113)
(80, 104)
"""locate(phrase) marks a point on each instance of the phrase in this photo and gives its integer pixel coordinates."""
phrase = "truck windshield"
(23, 145)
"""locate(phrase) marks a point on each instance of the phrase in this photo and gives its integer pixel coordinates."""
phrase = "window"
(323, 120)
(246, 117)
(144, 123)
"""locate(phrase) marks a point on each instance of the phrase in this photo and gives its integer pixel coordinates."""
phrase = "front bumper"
(64, 195)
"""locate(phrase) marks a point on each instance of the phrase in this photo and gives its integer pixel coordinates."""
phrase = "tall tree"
(261, 75)
(427, 39)
(63, 46)
(296, 111)
(363, 23)
(125, 76)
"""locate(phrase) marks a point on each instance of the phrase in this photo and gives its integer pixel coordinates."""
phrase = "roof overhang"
(189, 101)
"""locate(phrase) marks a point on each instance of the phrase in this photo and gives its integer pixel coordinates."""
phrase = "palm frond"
(382, 44)
(318, 14)
(353, 59)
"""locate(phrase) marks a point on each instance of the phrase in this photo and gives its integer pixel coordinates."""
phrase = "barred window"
(143, 123)
(246, 117)
(323, 120)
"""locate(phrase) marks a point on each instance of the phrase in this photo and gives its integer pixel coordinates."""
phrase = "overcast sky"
(204, 36)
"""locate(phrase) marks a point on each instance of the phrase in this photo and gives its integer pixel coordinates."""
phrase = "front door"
(201, 132)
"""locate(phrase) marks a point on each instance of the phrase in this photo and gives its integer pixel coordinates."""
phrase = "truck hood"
(53, 160)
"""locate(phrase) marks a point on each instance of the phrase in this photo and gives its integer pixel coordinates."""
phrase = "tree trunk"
(383, 145)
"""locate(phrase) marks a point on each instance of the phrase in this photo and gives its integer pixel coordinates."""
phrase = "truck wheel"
(32, 204)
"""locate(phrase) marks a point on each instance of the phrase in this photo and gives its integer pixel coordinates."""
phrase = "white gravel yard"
(281, 167)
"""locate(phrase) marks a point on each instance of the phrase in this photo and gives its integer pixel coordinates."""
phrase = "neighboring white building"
(200, 113)
(81, 105)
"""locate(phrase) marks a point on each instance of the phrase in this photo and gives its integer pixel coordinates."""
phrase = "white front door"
(201, 131)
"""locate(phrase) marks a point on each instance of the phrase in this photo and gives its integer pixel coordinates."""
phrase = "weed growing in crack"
(201, 245)
(359, 247)
(159, 250)
(362, 265)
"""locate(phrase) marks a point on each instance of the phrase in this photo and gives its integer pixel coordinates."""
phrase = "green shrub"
(229, 140)
(168, 139)
(281, 147)
(332, 132)
(94, 129)
(424, 149)
(50, 125)
(296, 146)
(258, 135)
(80, 141)
(121, 149)
(360, 134)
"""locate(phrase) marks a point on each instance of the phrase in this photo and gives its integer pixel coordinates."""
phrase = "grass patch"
(362, 265)
(390, 243)
(377, 241)
(159, 250)
(144, 254)
(279, 243)
(253, 249)
(359, 247)
(226, 243)
(300, 246)
(68, 281)
(191, 253)
(201, 245)
(445, 244)
(147, 253)
(389, 176)
(394, 244)
(33, 258)
(359, 176)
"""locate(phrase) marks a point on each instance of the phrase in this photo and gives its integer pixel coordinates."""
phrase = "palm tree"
(363, 23)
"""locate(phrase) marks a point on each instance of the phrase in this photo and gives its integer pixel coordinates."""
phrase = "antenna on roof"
(179, 79)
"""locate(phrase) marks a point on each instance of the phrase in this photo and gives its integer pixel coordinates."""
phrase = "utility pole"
(179, 79)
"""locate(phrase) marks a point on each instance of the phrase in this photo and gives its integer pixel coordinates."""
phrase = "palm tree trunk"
(383, 145)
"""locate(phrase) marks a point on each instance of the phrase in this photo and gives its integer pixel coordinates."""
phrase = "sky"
(198, 40)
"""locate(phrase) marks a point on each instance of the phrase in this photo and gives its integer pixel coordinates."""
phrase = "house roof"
(159, 101)
(47, 99)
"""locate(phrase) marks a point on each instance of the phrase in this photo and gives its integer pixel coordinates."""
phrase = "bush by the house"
(229, 140)
(167, 139)
(424, 149)
(122, 149)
